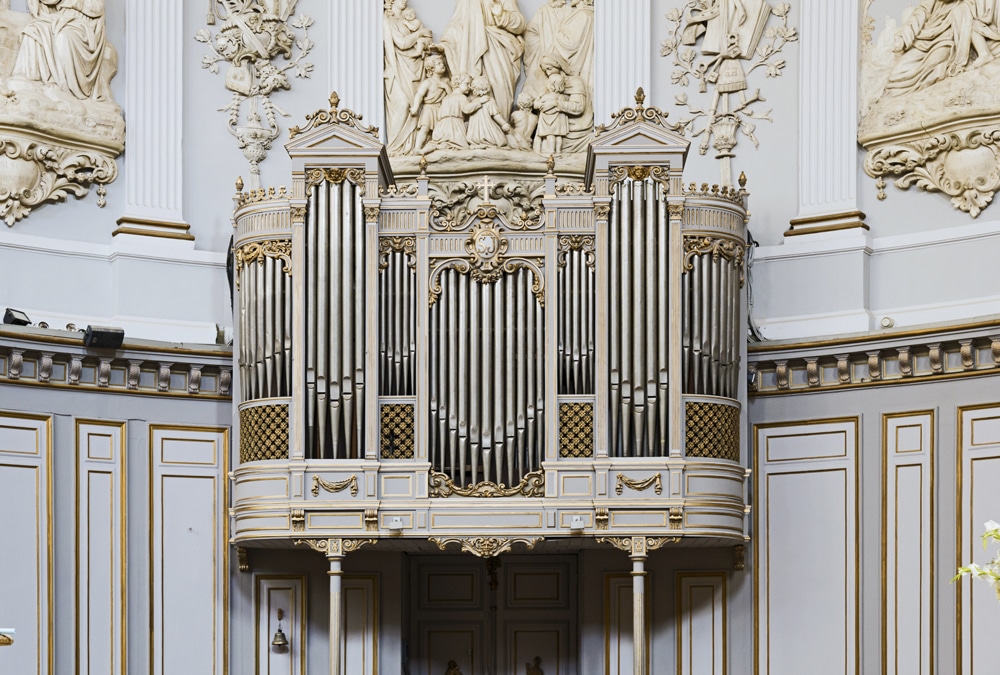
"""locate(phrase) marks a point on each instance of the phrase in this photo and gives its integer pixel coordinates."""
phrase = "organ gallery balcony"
(513, 356)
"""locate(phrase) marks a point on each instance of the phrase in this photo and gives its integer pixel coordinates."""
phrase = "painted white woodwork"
(26, 555)
(100, 552)
(355, 58)
(618, 652)
(979, 502)
(701, 623)
(154, 99)
(287, 593)
(807, 548)
(828, 101)
(640, 646)
(908, 542)
(336, 639)
(621, 64)
(189, 550)
(360, 635)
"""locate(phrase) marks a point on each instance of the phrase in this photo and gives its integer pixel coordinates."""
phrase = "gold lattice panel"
(396, 431)
(576, 429)
(712, 430)
(264, 432)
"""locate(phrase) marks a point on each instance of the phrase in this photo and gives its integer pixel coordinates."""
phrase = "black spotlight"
(16, 317)
(103, 337)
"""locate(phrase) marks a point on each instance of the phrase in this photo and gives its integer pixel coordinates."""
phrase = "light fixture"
(576, 524)
(396, 524)
(16, 317)
(103, 337)
(279, 641)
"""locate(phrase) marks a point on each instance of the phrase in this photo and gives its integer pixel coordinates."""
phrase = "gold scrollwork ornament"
(532, 485)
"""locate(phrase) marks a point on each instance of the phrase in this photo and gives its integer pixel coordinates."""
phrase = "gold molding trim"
(835, 227)
(509, 266)
(601, 517)
(486, 547)
(406, 245)
(660, 174)
(351, 545)
(624, 481)
(322, 117)
(577, 242)
(335, 176)
(164, 229)
(727, 249)
(335, 487)
(637, 545)
(532, 485)
(256, 251)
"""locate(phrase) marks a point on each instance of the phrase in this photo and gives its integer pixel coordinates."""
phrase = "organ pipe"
(335, 325)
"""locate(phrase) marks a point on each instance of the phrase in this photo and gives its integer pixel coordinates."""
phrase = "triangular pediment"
(641, 134)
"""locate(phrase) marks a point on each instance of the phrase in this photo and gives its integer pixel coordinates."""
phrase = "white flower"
(991, 525)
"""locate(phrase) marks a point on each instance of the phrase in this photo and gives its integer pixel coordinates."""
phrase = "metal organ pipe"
(638, 345)
(486, 385)
(335, 258)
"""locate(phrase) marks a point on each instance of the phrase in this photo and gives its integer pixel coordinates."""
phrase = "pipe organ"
(484, 353)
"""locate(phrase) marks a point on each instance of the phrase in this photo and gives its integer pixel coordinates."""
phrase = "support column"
(154, 103)
(640, 648)
(356, 56)
(620, 65)
(828, 112)
(335, 555)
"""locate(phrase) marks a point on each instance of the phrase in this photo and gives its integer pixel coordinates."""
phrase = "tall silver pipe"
(614, 326)
(462, 380)
(510, 423)
(639, 283)
(499, 380)
(259, 330)
(663, 325)
(488, 361)
(360, 321)
(312, 224)
(454, 338)
(323, 250)
(523, 357)
(475, 389)
(530, 387)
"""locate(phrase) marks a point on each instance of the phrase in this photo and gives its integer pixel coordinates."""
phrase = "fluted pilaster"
(355, 66)
(622, 54)
(828, 110)
(153, 105)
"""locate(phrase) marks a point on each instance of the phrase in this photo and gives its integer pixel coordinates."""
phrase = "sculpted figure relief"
(484, 38)
(926, 116)
(62, 129)
(504, 82)
(64, 45)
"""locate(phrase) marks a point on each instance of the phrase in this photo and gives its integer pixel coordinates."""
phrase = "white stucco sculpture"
(718, 44)
(462, 110)
(252, 34)
(927, 119)
(60, 128)
(485, 38)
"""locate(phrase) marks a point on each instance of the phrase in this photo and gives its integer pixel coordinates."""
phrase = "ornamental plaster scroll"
(251, 35)
(60, 128)
(719, 44)
(520, 200)
(454, 101)
(926, 119)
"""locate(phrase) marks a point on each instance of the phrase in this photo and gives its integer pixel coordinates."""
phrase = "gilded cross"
(485, 187)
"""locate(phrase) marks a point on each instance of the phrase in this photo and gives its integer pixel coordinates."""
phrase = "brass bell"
(279, 640)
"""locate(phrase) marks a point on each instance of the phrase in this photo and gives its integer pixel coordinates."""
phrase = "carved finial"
(334, 100)
(423, 165)
(640, 97)
(239, 183)
(742, 179)
(550, 164)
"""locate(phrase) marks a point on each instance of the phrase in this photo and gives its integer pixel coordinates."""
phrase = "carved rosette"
(532, 485)
(33, 172)
(965, 165)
